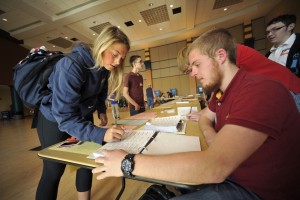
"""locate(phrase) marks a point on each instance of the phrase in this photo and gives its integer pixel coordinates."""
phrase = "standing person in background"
(114, 106)
(77, 89)
(133, 86)
(286, 44)
(150, 97)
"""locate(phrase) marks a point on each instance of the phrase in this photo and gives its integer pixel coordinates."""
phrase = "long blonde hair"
(108, 36)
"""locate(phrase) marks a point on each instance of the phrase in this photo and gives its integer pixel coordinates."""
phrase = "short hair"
(286, 19)
(133, 58)
(209, 42)
(182, 59)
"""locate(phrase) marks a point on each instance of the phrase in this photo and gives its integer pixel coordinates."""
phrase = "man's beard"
(216, 79)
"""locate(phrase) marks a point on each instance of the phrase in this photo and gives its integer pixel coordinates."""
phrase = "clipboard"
(151, 142)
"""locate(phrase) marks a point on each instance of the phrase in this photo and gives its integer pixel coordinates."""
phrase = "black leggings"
(49, 134)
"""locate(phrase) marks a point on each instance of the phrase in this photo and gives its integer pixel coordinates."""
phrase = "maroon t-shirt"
(134, 82)
(255, 102)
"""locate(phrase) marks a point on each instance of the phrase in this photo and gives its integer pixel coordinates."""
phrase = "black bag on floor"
(157, 192)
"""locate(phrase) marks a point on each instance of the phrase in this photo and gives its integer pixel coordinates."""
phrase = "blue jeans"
(135, 112)
(150, 103)
(226, 190)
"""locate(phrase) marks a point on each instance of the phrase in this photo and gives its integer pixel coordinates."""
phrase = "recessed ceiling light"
(160, 29)
(225, 9)
(140, 20)
(119, 26)
(53, 46)
(171, 6)
(66, 37)
(4, 19)
(94, 33)
(150, 4)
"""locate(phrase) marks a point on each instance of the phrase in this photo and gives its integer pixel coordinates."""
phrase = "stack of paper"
(183, 111)
(171, 124)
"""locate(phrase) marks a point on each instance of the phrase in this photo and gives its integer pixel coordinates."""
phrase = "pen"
(149, 141)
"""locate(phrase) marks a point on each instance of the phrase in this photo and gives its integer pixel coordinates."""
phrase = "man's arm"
(206, 124)
(129, 99)
(230, 147)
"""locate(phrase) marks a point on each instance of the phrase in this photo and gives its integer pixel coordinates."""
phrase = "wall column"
(148, 69)
(248, 35)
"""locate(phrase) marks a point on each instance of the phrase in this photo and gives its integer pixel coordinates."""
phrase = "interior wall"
(10, 54)
(5, 98)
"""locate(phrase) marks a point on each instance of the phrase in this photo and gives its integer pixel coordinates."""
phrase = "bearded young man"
(255, 128)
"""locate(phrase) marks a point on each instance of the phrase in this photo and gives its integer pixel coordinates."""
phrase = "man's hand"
(137, 107)
(194, 116)
(103, 119)
(111, 161)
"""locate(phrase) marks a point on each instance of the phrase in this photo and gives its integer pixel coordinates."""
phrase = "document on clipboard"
(151, 142)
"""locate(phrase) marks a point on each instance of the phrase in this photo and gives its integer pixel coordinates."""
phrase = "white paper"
(165, 124)
(167, 143)
(163, 143)
(183, 111)
(133, 141)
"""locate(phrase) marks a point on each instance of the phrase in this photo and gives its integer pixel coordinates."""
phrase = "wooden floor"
(20, 168)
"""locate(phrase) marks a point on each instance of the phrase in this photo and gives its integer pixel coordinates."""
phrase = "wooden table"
(78, 156)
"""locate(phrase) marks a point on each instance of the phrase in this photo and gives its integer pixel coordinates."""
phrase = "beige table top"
(77, 155)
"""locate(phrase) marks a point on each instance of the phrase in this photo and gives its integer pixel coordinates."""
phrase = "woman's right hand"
(114, 134)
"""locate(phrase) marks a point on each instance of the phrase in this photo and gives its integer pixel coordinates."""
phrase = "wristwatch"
(127, 165)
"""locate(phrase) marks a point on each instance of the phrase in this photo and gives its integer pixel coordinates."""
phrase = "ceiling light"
(160, 29)
(119, 26)
(140, 20)
(66, 37)
(171, 6)
(225, 9)
(4, 19)
(150, 4)
(53, 46)
(94, 33)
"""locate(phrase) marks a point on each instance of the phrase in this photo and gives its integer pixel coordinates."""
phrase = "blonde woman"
(77, 90)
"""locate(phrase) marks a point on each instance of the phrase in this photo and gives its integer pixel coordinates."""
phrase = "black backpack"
(30, 75)
(157, 192)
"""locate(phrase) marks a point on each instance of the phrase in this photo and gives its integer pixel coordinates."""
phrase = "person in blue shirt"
(114, 106)
(150, 97)
(77, 90)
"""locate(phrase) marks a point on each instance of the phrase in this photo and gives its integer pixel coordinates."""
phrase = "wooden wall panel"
(237, 32)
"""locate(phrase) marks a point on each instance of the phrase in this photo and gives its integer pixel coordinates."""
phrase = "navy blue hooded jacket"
(76, 92)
